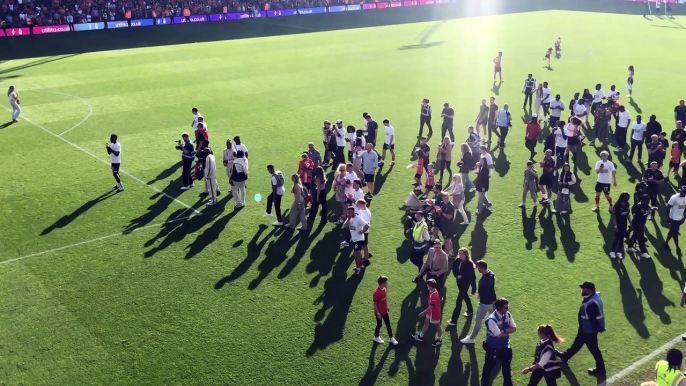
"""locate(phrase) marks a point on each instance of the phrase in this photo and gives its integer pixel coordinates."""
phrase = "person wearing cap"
(388, 142)
(499, 326)
(675, 209)
(432, 313)
(591, 323)
(425, 118)
(533, 130)
(640, 213)
(187, 156)
(668, 372)
(435, 267)
(339, 132)
(420, 241)
(448, 114)
(486, 295)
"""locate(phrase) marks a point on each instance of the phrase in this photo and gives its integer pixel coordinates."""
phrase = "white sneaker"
(277, 223)
(185, 187)
(393, 341)
(522, 205)
(378, 340)
(645, 255)
(619, 256)
(467, 340)
(563, 212)
(267, 215)
(464, 223)
(210, 203)
(344, 243)
(613, 255)
(451, 323)
(630, 249)
(472, 190)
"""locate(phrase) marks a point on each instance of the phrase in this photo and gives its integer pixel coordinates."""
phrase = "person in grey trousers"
(370, 161)
(486, 296)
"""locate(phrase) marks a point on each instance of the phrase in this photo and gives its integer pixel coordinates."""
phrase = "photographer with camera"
(187, 156)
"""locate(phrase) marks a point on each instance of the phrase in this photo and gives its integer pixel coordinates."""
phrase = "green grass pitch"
(224, 298)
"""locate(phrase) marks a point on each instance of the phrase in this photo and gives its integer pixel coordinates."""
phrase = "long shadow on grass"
(254, 249)
(160, 205)
(501, 164)
(458, 373)
(479, 238)
(167, 173)
(339, 290)
(674, 264)
(67, 219)
(373, 369)
(548, 238)
(380, 179)
(567, 237)
(631, 300)
(652, 288)
(35, 63)
(529, 227)
(323, 256)
(407, 325)
(275, 254)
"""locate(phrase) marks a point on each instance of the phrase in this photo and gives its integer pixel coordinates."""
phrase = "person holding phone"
(606, 176)
(114, 150)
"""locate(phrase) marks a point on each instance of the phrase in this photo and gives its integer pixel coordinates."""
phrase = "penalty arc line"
(90, 109)
(124, 232)
(107, 163)
(631, 368)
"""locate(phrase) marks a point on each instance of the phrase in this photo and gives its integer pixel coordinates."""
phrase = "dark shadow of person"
(529, 228)
(67, 219)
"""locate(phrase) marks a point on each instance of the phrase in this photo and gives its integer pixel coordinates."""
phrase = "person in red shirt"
(433, 315)
(305, 168)
(202, 137)
(381, 310)
(533, 130)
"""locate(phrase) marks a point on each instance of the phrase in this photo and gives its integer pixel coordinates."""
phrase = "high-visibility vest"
(664, 376)
(418, 240)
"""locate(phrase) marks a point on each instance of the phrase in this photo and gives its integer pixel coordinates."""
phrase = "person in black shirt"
(654, 178)
(680, 112)
(640, 213)
(653, 148)
(447, 114)
(679, 135)
(425, 150)
(620, 220)
(372, 130)
(664, 146)
(545, 183)
(653, 127)
(463, 269)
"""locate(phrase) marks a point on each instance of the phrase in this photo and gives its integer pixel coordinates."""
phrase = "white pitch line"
(90, 108)
(107, 163)
(122, 233)
(641, 361)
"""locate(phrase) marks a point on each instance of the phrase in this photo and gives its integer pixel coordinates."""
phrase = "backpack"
(279, 179)
(238, 177)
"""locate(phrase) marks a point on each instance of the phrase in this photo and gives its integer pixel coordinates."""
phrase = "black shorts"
(369, 139)
(553, 120)
(547, 180)
(673, 165)
(369, 177)
(387, 146)
(530, 142)
(418, 176)
(674, 224)
(602, 188)
(358, 245)
(115, 167)
(447, 229)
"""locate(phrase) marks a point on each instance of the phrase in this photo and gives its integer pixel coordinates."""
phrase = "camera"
(178, 146)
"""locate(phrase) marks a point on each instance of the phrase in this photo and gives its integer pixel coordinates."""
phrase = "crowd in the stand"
(23, 13)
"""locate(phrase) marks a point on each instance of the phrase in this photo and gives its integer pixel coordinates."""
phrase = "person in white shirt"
(357, 227)
(239, 146)
(14, 102)
(630, 81)
(389, 141)
(114, 150)
(211, 176)
(598, 97)
(580, 110)
(556, 108)
(606, 176)
(546, 97)
(613, 94)
(637, 136)
(339, 132)
(363, 211)
(676, 207)
(560, 143)
(228, 157)
(196, 115)
(623, 120)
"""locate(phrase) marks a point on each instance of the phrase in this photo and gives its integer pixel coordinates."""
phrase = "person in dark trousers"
(528, 90)
(620, 218)
(652, 128)
(381, 311)
(487, 296)
(420, 241)
(492, 119)
(319, 194)
(546, 364)
(499, 326)
(654, 178)
(187, 157)
(679, 135)
(447, 114)
(463, 269)
(425, 118)
(591, 323)
(114, 150)
(278, 190)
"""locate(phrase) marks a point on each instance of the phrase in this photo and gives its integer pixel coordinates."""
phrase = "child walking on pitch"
(381, 311)
(433, 315)
(547, 55)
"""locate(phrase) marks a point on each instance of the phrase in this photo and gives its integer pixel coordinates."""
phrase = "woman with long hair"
(566, 180)
(466, 165)
(339, 185)
(319, 194)
(621, 212)
(446, 154)
(573, 132)
(228, 158)
(14, 102)
(482, 184)
(587, 97)
(538, 95)
(630, 81)
(458, 198)
(298, 207)
(546, 363)
(463, 270)
(482, 118)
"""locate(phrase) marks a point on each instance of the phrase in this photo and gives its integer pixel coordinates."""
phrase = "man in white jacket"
(211, 177)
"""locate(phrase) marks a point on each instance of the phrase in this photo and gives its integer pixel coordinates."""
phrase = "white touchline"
(641, 361)
(122, 233)
(90, 108)
(107, 163)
